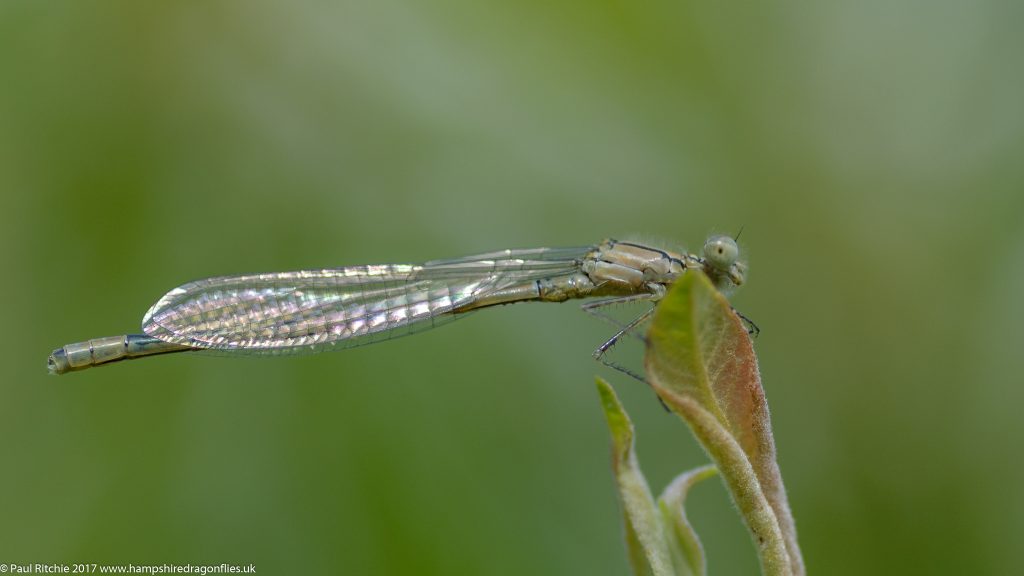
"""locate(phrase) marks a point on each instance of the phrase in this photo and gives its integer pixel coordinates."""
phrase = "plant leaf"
(684, 545)
(645, 538)
(701, 363)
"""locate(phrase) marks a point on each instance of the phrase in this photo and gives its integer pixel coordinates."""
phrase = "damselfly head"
(721, 257)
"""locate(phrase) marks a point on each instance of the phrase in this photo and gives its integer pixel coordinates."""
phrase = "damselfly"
(317, 310)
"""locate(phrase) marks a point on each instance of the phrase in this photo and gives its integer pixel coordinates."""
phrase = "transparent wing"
(314, 310)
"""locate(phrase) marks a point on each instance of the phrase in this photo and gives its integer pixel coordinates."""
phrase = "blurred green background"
(872, 150)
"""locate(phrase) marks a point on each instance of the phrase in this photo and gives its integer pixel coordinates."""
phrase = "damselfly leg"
(594, 309)
(752, 328)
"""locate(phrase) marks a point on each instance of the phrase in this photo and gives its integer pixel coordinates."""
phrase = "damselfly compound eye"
(721, 252)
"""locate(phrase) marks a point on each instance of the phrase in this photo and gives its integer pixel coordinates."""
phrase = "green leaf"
(701, 363)
(684, 545)
(645, 538)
